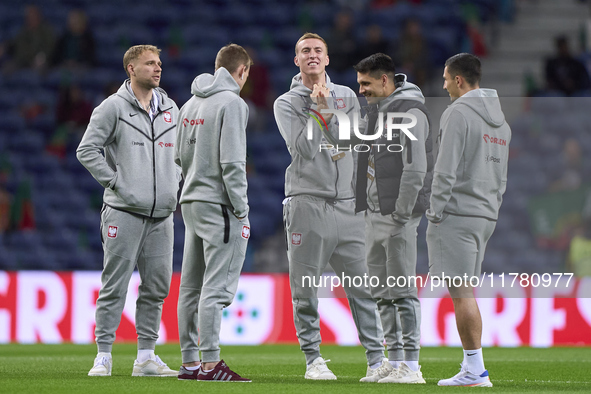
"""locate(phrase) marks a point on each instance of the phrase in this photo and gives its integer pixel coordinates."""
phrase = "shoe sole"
(96, 374)
(483, 384)
(320, 378)
(224, 381)
(154, 376)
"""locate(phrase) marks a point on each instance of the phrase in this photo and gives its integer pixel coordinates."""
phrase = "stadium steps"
(524, 45)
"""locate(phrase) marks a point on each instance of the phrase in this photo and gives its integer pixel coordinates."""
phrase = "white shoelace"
(160, 362)
(101, 361)
(382, 370)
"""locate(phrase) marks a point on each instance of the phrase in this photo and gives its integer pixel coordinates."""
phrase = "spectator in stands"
(579, 254)
(72, 107)
(413, 53)
(374, 42)
(564, 72)
(4, 209)
(342, 43)
(75, 48)
(257, 92)
(571, 167)
(73, 113)
(33, 45)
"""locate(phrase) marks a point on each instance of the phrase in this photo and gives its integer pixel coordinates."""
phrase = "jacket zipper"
(336, 184)
(153, 163)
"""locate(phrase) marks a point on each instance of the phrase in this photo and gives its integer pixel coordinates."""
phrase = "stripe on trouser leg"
(226, 224)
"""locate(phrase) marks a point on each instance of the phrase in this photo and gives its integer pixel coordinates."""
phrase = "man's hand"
(319, 95)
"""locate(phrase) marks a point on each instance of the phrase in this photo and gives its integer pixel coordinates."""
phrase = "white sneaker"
(391, 376)
(152, 367)
(319, 371)
(405, 375)
(102, 365)
(373, 375)
(467, 379)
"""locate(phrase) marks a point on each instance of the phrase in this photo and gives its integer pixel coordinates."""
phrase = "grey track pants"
(130, 240)
(321, 233)
(215, 246)
(392, 257)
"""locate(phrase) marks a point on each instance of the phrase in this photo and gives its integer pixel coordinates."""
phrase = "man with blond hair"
(135, 128)
(319, 209)
(211, 150)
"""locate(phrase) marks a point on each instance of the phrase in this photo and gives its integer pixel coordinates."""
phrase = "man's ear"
(327, 60)
(459, 81)
(296, 61)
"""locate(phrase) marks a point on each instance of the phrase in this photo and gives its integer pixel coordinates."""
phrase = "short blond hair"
(231, 57)
(135, 52)
(310, 35)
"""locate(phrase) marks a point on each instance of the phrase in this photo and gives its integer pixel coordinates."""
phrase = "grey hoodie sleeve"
(233, 154)
(294, 129)
(99, 133)
(413, 174)
(453, 140)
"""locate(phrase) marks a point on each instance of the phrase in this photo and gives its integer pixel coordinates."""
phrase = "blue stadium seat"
(275, 15)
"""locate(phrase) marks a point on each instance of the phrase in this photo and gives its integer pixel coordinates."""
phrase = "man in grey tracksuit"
(393, 189)
(320, 221)
(469, 180)
(211, 149)
(135, 128)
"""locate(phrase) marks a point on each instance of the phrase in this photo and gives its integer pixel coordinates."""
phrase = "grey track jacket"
(470, 174)
(413, 174)
(313, 172)
(211, 143)
(137, 170)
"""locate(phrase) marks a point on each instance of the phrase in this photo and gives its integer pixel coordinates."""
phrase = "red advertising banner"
(57, 307)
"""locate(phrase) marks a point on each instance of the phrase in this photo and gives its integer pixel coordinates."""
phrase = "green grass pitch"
(280, 369)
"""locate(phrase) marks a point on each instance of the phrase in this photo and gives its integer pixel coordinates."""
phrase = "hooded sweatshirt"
(137, 170)
(211, 143)
(313, 171)
(470, 174)
(413, 173)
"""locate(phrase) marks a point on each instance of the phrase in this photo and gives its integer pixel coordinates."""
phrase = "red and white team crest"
(245, 232)
(112, 232)
(167, 117)
(341, 103)
(296, 239)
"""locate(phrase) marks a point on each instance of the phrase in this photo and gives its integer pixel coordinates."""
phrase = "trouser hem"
(189, 356)
(210, 356)
(311, 356)
(146, 344)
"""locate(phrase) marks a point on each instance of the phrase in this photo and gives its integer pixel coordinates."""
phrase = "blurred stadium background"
(61, 58)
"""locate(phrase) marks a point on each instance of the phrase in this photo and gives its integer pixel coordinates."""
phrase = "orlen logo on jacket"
(498, 141)
(166, 144)
(193, 122)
